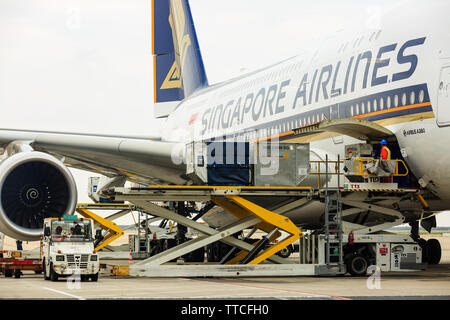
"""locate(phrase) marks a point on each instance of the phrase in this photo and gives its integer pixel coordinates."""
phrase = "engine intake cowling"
(33, 186)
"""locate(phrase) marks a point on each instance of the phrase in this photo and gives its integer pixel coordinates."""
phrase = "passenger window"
(421, 96)
(412, 97)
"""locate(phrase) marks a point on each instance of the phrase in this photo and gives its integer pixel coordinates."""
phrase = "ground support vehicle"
(387, 252)
(329, 253)
(12, 264)
(67, 248)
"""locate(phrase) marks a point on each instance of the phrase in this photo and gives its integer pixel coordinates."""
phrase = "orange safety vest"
(385, 153)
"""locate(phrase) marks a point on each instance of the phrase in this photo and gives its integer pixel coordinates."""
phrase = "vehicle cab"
(67, 248)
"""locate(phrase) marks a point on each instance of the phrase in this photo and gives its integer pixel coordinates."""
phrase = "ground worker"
(385, 155)
(58, 234)
(385, 152)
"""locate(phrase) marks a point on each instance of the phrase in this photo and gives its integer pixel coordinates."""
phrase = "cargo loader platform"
(249, 206)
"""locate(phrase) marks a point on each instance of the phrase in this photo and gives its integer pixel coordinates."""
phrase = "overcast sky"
(86, 65)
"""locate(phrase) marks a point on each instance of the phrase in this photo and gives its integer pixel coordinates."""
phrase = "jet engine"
(33, 186)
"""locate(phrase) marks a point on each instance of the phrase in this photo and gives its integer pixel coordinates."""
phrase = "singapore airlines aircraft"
(397, 77)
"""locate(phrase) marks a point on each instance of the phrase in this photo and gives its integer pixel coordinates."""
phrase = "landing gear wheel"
(357, 265)
(433, 251)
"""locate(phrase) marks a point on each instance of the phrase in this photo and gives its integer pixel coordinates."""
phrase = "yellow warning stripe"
(377, 190)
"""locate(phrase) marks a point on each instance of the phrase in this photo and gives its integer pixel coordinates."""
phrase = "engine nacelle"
(33, 186)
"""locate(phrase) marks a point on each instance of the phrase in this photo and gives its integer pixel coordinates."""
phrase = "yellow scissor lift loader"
(240, 202)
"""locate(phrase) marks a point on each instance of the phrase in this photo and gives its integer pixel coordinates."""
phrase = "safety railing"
(401, 169)
(360, 162)
(316, 170)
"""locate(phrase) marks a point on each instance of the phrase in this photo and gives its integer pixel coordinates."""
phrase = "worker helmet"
(383, 142)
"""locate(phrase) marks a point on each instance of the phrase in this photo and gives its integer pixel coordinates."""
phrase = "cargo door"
(443, 109)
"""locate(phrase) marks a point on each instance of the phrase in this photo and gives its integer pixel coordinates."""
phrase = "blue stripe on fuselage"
(417, 94)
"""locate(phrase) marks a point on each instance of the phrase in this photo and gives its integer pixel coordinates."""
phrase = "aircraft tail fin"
(177, 61)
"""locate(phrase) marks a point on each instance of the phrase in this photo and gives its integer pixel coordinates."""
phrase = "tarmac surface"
(431, 284)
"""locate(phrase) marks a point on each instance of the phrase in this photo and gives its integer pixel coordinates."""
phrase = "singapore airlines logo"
(182, 42)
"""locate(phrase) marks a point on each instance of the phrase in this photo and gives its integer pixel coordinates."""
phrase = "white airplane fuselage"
(396, 77)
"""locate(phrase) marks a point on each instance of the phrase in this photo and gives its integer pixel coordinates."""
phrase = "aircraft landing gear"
(431, 249)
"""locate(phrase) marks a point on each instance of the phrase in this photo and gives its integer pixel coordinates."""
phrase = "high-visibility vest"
(385, 153)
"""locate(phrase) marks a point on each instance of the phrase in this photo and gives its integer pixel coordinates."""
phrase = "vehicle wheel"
(156, 247)
(53, 274)
(433, 251)
(285, 252)
(209, 253)
(198, 255)
(17, 274)
(8, 273)
(357, 265)
(94, 277)
(44, 271)
(170, 243)
(216, 252)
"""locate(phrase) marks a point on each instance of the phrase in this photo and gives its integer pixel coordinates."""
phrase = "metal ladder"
(333, 221)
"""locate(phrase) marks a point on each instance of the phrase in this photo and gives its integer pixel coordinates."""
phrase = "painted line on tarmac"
(64, 293)
(276, 289)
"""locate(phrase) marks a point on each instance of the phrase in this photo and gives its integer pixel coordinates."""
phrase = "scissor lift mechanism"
(237, 201)
(111, 230)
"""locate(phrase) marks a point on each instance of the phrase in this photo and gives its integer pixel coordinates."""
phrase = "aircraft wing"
(143, 160)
